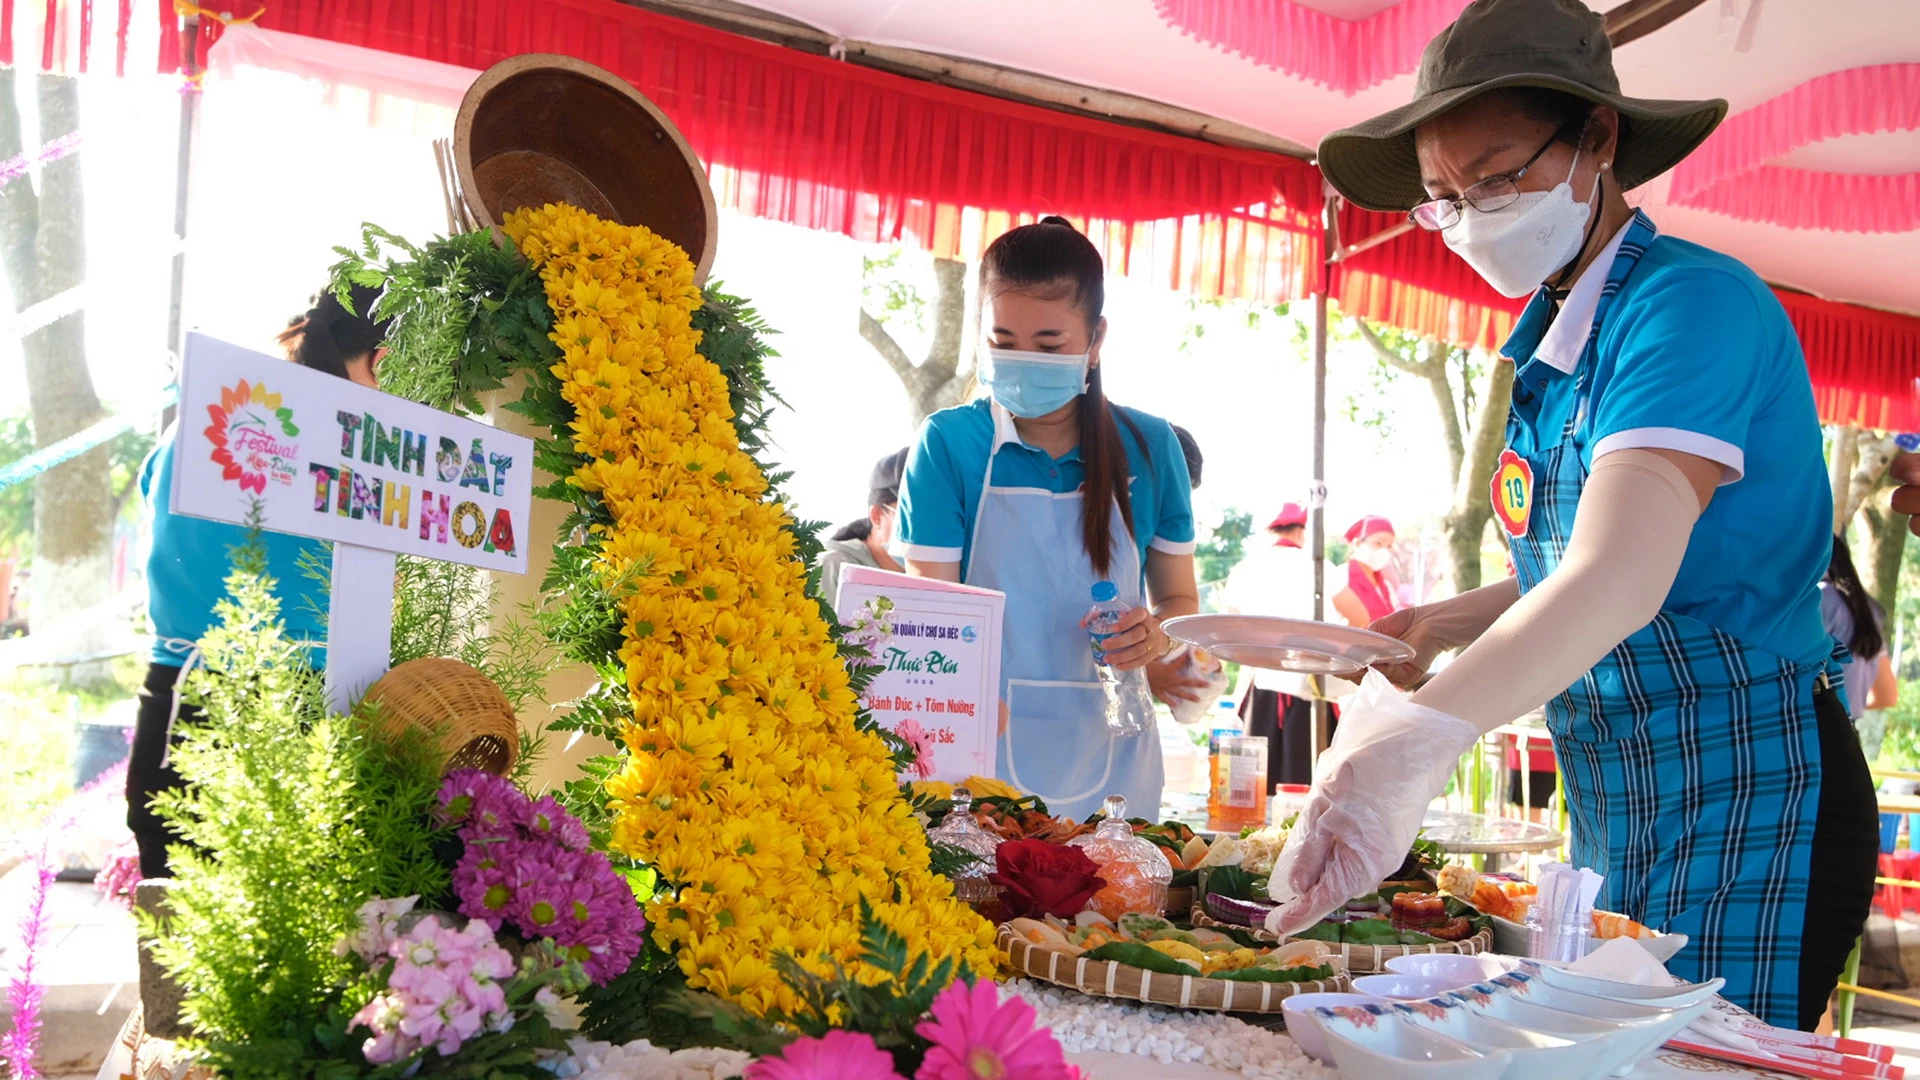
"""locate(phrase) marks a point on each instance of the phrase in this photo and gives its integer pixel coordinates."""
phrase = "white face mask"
(1374, 558)
(1517, 247)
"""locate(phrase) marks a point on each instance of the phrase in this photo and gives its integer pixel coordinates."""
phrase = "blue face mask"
(1033, 384)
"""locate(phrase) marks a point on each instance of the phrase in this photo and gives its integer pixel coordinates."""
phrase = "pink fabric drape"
(1730, 174)
(1347, 55)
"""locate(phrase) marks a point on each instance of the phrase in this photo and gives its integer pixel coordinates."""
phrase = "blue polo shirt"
(940, 493)
(1697, 355)
(191, 557)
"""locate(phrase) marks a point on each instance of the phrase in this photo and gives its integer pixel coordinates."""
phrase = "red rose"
(1037, 878)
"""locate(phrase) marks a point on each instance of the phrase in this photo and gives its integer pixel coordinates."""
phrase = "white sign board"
(938, 645)
(325, 457)
(328, 458)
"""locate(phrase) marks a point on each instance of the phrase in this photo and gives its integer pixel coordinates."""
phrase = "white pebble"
(1166, 1035)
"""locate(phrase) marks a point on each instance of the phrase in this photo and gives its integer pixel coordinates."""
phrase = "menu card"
(937, 645)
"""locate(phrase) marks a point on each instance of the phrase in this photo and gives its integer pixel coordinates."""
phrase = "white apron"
(1027, 544)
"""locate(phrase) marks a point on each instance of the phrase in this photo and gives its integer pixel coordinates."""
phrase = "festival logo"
(1513, 492)
(252, 433)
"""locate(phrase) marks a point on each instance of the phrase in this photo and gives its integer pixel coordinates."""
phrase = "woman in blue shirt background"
(190, 558)
(1041, 490)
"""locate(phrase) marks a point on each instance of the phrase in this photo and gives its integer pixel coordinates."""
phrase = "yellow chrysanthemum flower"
(748, 785)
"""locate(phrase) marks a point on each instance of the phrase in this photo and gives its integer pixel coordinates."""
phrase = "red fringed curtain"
(1864, 362)
(828, 145)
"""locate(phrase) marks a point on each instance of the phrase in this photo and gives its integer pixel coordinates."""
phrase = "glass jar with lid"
(959, 829)
(1135, 872)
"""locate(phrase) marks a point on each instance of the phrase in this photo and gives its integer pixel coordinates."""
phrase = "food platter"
(1358, 958)
(1106, 978)
(1277, 644)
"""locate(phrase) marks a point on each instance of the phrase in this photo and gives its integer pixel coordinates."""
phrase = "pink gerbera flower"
(839, 1055)
(976, 1036)
(921, 742)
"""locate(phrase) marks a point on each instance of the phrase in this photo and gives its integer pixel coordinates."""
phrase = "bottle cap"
(1104, 591)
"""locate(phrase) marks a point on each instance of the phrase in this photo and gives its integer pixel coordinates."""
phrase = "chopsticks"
(1801, 1058)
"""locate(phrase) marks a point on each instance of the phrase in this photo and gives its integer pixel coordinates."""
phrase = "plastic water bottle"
(1129, 708)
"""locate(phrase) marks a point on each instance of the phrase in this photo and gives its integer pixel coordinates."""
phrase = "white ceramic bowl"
(1404, 987)
(1305, 1029)
(1533, 1053)
(1674, 996)
(1458, 970)
(1370, 1045)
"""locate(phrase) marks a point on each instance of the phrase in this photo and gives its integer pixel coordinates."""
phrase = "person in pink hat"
(1373, 591)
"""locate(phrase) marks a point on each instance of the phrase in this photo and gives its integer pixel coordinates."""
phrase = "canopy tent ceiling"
(1743, 50)
(1826, 101)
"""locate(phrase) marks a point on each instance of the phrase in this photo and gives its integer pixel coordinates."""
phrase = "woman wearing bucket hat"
(1660, 393)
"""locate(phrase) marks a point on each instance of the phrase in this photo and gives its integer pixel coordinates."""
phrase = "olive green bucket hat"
(1552, 44)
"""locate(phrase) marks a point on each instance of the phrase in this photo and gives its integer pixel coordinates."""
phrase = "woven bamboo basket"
(1103, 978)
(1360, 959)
(471, 717)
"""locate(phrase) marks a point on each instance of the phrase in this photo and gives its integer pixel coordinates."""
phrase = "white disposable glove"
(1388, 760)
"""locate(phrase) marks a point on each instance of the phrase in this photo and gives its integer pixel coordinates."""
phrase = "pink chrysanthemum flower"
(976, 1036)
(547, 818)
(482, 804)
(839, 1055)
(484, 882)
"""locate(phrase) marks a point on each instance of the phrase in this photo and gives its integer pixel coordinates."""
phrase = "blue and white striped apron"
(1692, 759)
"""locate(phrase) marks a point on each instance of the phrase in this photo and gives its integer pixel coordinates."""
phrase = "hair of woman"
(1047, 259)
(1867, 640)
(328, 335)
(858, 529)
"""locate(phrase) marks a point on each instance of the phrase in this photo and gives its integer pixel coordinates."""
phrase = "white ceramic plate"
(1276, 644)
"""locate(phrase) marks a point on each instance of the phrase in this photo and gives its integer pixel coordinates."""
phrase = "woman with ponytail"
(1042, 490)
(1856, 620)
(190, 558)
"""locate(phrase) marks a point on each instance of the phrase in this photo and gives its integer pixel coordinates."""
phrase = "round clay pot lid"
(542, 128)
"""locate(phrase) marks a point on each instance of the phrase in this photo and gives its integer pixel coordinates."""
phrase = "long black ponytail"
(1044, 258)
(1867, 641)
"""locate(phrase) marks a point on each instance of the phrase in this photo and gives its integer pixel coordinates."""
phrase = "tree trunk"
(1886, 548)
(1875, 454)
(945, 377)
(1436, 375)
(1473, 493)
(1846, 453)
(43, 248)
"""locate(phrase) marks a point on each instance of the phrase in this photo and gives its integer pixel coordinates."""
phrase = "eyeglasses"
(1496, 192)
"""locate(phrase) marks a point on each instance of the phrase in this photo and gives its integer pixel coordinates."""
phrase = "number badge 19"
(1513, 492)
